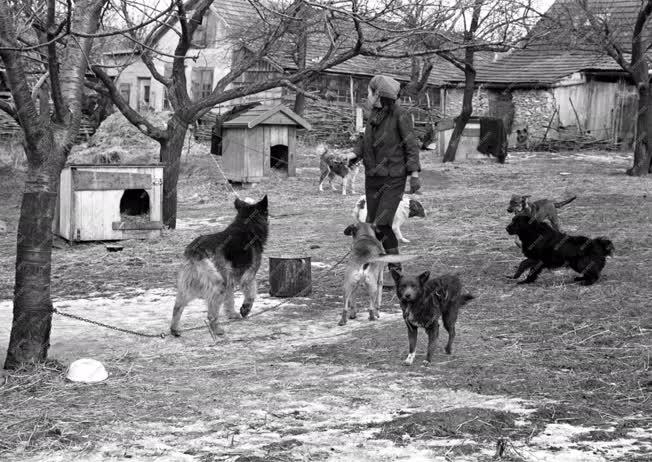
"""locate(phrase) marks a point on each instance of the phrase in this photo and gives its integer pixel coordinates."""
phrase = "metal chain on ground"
(163, 334)
(203, 326)
(119, 329)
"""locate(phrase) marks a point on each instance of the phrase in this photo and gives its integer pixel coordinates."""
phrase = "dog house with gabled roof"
(260, 140)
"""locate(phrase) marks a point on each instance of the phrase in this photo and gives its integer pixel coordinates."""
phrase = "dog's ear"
(351, 230)
(262, 204)
(423, 277)
(239, 204)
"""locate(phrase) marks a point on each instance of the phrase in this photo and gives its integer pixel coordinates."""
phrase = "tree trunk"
(170, 155)
(30, 332)
(302, 52)
(642, 149)
(467, 108)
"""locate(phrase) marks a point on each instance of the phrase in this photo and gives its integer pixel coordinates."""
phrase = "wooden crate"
(90, 196)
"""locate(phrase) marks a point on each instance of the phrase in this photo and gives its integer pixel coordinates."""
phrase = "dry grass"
(582, 353)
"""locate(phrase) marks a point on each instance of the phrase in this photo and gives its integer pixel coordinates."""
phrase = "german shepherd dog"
(215, 263)
(545, 247)
(423, 300)
(541, 210)
(365, 266)
(342, 163)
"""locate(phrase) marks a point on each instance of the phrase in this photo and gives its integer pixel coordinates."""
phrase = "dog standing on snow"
(407, 208)
(337, 162)
(215, 263)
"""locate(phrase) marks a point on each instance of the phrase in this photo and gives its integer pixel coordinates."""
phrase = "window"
(199, 37)
(201, 83)
(125, 91)
(144, 93)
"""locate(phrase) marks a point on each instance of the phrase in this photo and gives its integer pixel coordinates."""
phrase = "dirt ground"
(547, 372)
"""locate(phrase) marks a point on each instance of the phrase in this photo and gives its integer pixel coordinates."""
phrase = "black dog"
(423, 300)
(546, 247)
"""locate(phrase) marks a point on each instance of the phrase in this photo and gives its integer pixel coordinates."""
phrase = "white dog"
(407, 208)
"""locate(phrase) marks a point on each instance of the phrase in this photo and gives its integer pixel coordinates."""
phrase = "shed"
(260, 140)
(109, 202)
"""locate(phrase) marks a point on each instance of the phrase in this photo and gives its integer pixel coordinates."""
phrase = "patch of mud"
(473, 422)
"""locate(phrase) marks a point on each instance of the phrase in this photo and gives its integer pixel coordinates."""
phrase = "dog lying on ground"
(545, 247)
(423, 300)
(342, 163)
(407, 208)
(365, 266)
(541, 210)
(215, 263)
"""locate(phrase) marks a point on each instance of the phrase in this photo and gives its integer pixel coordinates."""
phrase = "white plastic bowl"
(86, 370)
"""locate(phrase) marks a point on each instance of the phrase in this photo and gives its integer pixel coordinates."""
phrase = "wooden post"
(290, 276)
(577, 119)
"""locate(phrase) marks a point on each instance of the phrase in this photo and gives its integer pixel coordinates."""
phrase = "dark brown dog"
(423, 301)
(545, 247)
(540, 210)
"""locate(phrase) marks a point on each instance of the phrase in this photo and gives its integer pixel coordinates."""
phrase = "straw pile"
(118, 141)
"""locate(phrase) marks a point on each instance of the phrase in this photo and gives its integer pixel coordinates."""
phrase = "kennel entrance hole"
(134, 203)
(279, 157)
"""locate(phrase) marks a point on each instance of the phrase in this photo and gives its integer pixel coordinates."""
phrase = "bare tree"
(266, 42)
(58, 40)
(456, 32)
(609, 32)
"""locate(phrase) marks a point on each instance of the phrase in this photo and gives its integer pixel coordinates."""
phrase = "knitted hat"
(385, 86)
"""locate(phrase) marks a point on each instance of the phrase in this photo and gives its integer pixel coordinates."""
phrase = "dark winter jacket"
(389, 146)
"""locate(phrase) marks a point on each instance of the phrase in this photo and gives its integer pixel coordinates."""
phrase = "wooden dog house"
(260, 140)
(110, 202)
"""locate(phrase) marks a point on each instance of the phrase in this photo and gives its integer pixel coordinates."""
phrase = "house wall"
(451, 105)
(533, 110)
(216, 55)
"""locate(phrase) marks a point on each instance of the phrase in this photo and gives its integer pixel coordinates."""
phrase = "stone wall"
(533, 109)
(454, 102)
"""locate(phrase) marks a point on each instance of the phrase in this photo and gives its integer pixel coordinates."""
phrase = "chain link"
(203, 326)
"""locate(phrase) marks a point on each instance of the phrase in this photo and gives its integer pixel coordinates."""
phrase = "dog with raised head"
(215, 263)
(547, 248)
(365, 266)
(541, 210)
(407, 208)
(424, 300)
(338, 163)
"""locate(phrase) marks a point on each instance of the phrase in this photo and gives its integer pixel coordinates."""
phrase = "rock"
(3, 227)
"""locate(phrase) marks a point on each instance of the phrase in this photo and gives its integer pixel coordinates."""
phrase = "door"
(144, 93)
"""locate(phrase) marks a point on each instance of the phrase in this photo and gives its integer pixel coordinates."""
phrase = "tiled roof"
(564, 43)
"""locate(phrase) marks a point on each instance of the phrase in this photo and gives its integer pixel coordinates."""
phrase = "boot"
(388, 280)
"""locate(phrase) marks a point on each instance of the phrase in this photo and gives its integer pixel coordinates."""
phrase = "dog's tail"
(385, 258)
(467, 297)
(562, 203)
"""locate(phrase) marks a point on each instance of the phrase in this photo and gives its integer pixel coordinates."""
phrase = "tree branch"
(53, 66)
(144, 125)
(26, 113)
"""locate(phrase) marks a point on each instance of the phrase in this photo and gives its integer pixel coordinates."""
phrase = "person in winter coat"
(390, 154)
